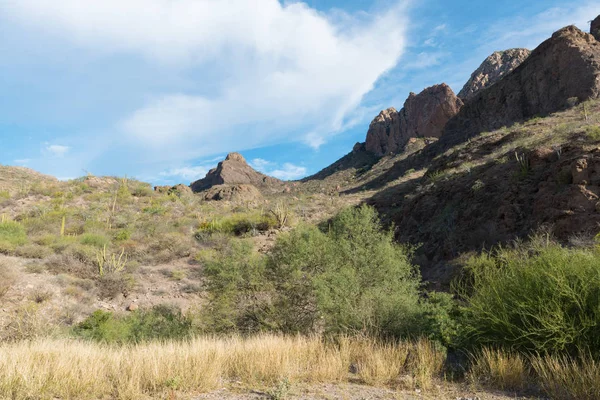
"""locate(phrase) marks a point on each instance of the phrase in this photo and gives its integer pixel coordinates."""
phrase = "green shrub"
(540, 298)
(238, 224)
(33, 251)
(12, 233)
(348, 277)
(159, 323)
(237, 287)
(95, 240)
(359, 278)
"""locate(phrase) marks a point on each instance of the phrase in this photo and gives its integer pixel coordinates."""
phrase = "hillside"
(340, 284)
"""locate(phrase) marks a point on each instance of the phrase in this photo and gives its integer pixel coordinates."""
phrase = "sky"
(161, 90)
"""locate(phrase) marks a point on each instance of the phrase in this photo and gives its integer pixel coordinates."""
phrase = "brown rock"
(565, 66)
(384, 135)
(492, 70)
(132, 307)
(233, 171)
(237, 193)
(595, 28)
(580, 172)
(423, 115)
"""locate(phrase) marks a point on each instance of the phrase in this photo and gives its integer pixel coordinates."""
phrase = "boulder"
(237, 193)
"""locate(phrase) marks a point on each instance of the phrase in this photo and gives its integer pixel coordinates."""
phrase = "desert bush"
(95, 240)
(348, 277)
(539, 297)
(111, 285)
(358, 278)
(238, 224)
(33, 251)
(161, 322)
(12, 234)
(7, 277)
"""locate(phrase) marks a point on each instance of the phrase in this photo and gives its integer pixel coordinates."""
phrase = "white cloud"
(260, 164)
(186, 173)
(57, 150)
(285, 72)
(424, 60)
(289, 172)
(23, 161)
(286, 172)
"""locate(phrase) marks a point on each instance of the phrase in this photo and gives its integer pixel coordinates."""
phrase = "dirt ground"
(358, 392)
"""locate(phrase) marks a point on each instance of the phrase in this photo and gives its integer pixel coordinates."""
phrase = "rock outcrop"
(493, 68)
(424, 115)
(384, 135)
(237, 193)
(562, 68)
(595, 28)
(234, 170)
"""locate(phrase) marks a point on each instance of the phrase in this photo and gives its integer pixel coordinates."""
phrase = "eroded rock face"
(236, 193)
(424, 115)
(595, 28)
(562, 68)
(493, 68)
(384, 135)
(233, 171)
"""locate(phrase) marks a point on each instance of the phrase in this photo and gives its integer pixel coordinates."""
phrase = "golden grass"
(499, 369)
(568, 378)
(74, 369)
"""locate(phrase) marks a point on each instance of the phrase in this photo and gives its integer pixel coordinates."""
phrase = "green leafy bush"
(159, 323)
(540, 298)
(12, 234)
(95, 240)
(348, 277)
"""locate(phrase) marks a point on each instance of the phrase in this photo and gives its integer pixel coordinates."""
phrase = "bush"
(358, 278)
(540, 298)
(348, 277)
(12, 234)
(7, 278)
(95, 240)
(159, 323)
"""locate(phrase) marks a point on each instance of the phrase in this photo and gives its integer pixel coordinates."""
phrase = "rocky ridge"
(493, 68)
(564, 68)
(423, 115)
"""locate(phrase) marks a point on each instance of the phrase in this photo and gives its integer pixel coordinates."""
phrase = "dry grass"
(499, 369)
(567, 378)
(72, 369)
(7, 278)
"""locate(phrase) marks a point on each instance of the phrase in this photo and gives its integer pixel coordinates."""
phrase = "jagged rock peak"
(493, 68)
(424, 115)
(235, 157)
(562, 68)
(595, 28)
(233, 171)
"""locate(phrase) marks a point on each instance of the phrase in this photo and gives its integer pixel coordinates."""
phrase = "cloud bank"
(278, 72)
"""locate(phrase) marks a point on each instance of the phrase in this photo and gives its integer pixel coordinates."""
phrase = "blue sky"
(161, 90)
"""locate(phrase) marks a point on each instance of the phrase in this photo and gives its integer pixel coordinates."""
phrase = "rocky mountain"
(563, 69)
(492, 70)
(423, 115)
(234, 170)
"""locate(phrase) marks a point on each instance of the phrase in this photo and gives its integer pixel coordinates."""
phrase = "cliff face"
(595, 28)
(424, 115)
(563, 67)
(233, 170)
(493, 68)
